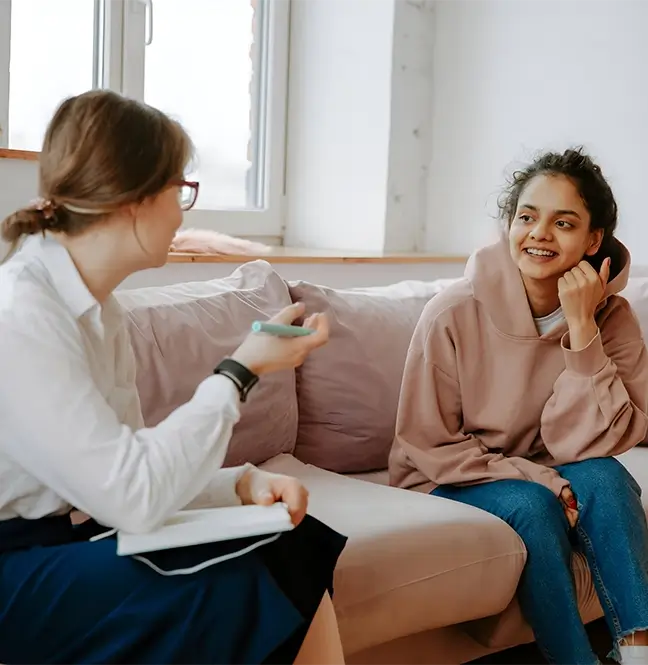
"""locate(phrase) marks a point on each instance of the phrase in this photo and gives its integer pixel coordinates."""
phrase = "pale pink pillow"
(181, 332)
(348, 390)
(636, 293)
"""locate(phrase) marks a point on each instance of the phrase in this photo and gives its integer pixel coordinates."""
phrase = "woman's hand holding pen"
(267, 353)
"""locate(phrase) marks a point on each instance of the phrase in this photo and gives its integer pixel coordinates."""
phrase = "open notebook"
(197, 527)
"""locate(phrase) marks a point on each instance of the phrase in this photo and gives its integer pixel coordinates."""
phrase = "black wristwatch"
(239, 374)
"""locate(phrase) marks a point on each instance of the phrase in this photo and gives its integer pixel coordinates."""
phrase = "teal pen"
(280, 330)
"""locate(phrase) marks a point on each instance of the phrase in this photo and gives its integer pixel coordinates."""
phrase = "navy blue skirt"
(69, 600)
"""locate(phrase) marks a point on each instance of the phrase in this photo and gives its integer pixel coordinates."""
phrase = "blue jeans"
(611, 532)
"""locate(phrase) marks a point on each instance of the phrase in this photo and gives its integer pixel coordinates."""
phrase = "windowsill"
(304, 255)
(286, 254)
(27, 155)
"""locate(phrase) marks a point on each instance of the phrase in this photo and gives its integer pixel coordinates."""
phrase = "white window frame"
(5, 52)
(121, 28)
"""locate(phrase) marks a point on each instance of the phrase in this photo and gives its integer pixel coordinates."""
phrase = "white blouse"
(71, 427)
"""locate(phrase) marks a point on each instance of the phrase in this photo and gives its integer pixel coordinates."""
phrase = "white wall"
(511, 77)
(507, 77)
(18, 186)
(358, 123)
(412, 95)
(338, 123)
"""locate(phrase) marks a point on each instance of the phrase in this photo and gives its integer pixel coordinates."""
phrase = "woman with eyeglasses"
(72, 435)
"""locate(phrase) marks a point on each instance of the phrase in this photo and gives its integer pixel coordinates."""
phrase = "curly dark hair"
(588, 179)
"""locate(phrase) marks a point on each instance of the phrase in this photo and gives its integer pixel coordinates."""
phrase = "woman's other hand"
(570, 506)
(264, 488)
(262, 353)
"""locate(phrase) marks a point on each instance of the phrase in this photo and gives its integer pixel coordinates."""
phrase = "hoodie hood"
(497, 285)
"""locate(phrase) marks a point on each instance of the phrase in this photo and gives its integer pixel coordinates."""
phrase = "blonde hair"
(101, 151)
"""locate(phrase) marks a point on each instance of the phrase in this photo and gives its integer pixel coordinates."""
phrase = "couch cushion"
(636, 293)
(508, 628)
(348, 390)
(413, 562)
(636, 461)
(181, 332)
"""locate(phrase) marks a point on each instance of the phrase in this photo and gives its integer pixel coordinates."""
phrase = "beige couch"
(422, 580)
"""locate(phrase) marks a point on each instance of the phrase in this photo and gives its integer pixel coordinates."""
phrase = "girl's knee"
(537, 500)
(542, 525)
(530, 509)
(536, 513)
(596, 466)
(602, 476)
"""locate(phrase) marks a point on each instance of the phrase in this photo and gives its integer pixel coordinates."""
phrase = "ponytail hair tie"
(45, 206)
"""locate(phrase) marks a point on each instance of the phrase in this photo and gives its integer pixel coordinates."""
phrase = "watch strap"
(239, 374)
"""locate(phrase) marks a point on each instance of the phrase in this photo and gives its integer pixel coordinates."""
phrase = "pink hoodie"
(484, 397)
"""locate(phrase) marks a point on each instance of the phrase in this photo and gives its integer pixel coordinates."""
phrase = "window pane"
(52, 48)
(199, 70)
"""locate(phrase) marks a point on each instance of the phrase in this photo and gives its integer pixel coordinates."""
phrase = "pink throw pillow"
(181, 332)
(348, 390)
(636, 293)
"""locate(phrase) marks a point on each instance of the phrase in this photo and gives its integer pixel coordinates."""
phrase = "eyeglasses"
(188, 193)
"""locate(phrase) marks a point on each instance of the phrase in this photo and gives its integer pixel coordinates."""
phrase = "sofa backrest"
(636, 292)
(181, 332)
(348, 390)
(339, 411)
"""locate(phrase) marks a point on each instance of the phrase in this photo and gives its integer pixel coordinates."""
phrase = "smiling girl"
(522, 382)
